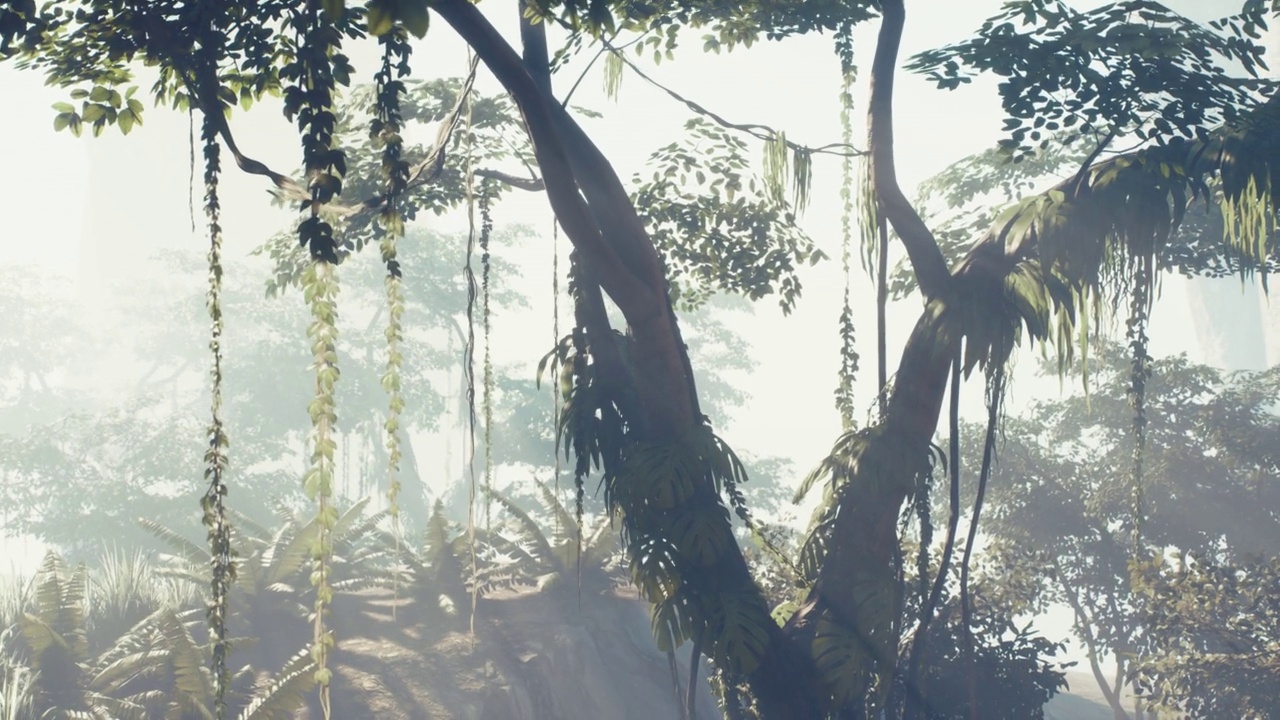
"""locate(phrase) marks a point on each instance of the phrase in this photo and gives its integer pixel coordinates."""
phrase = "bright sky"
(94, 209)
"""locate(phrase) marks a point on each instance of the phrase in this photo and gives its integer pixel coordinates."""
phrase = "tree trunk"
(596, 214)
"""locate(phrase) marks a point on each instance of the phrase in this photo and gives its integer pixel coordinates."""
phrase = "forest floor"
(535, 655)
(1083, 701)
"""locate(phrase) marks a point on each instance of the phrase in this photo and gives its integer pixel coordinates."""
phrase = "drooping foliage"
(385, 130)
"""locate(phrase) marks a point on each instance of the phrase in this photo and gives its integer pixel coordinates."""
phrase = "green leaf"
(702, 536)
(333, 9)
(93, 113)
(671, 624)
(414, 17)
(380, 17)
(739, 629)
(838, 660)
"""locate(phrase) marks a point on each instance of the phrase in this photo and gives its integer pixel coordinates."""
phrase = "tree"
(1129, 69)
(1061, 506)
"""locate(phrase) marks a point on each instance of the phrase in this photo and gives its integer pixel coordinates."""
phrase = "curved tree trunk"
(614, 248)
(862, 553)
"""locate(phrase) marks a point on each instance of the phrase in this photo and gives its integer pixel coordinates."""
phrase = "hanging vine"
(882, 304)
(213, 504)
(469, 366)
(848, 348)
(385, 131)
(572, 382)
(320, 287)
(309, 99)
(1139, 372)
(555, 391)
(486, 229)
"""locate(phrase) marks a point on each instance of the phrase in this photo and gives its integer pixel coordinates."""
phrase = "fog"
(105, 333)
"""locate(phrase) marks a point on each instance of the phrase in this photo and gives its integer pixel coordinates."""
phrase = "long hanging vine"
(555, 388)
(213, 504)
(875, 234)
(848, 347)
(309, 99)
(571, 375)
(486, 229)
(469, 366)
(385, 131)
(320, 286)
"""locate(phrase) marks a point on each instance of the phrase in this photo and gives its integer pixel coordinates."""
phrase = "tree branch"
(926, 257)
(1084, 625)
(599, 218)
(203, 85)
(631, 294)
(760, 132)
(531, 184)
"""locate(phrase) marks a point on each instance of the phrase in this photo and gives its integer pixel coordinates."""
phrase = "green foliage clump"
(1211, 637)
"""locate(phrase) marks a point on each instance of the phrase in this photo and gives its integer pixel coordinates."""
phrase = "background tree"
(1060, 501)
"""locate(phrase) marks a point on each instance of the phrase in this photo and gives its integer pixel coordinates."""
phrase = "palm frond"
(567, 525)
(185, 548)
(279, 698)
(529, 529)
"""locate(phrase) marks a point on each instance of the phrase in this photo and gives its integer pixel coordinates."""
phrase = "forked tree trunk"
(599, 219)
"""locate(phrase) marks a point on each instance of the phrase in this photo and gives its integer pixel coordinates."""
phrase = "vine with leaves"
(309, 98)
(846, 375)
(1139, 373)
(486, 229)
(213, 504)
(385, 131)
